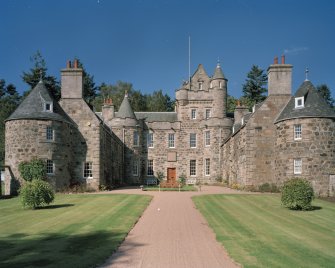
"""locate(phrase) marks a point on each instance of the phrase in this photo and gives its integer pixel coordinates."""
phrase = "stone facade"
(198, 141)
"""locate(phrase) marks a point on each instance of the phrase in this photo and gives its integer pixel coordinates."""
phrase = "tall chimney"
(72, 81)
(280, 78)
(108, 110)
(275, 61)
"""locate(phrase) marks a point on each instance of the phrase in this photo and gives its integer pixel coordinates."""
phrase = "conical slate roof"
(218, 74)
(33, 107)
(314, 105)
(125, 110)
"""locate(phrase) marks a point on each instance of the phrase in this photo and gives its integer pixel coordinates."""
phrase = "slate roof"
(32, 107)
(218, 74)
(314, 105)
(125, 110)
(157, 116)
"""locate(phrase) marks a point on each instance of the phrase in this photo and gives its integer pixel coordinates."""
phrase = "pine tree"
(325, 92)
(254, 87)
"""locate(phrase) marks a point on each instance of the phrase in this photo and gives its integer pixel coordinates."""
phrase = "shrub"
(269, 188)
(182, 179)
(297, 194)
(34, 169)
(36, 194)
(160, 176)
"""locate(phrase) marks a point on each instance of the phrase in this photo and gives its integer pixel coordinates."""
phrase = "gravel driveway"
(171, 233)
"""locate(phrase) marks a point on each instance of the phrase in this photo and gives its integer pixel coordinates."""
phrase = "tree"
(231, 104)
(254, 86)
(9, 100)
(38, 72)
(158, 102)
(326, 93)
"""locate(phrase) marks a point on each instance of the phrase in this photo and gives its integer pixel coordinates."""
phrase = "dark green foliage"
(326, 93)
(158, 102)
(36, 193)
(297, 194)
(38, 72)
(182, 179)
(160, 176)
(268, 188)
(231, 104)
(9, 100)
(33, 170)
(254, 87)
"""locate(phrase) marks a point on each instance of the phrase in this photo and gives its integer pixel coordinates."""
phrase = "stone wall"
(26, 139)
(316, 149)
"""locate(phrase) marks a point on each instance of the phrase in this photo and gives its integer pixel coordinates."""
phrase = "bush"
(297, 194)
(34, 169)
(36, 194)
(269, 188)
(182, 179)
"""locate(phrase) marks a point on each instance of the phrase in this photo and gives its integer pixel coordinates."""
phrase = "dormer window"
(48, 107)
(299, 102)
(200, 85)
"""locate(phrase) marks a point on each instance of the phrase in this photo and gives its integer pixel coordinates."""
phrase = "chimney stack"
(72, 81)
(283, 59)
(108, 110)
(275, 61)
(280, 78)
(68, 64)
(75, 64)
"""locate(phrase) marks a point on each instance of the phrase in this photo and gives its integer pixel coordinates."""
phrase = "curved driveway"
(171, 233)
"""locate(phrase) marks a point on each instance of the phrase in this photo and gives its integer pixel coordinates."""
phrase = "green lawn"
(258, 232)
(79, 230)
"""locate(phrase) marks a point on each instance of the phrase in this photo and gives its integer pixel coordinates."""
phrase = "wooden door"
(171, 174)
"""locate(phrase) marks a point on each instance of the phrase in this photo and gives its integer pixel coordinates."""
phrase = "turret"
(280, 78)
(219, 85)
(72, 81)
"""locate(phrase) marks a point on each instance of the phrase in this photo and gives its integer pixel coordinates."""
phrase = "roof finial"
(126, 93)
(218, 63)
(306, 74)
(41, 76)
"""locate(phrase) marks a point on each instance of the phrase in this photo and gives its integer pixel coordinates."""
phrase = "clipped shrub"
(36, 193)
(33, 170)
(297, 194)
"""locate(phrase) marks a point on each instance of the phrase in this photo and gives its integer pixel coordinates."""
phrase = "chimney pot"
(283, 59)
(68, 64)
(275, 61)
(75, 64)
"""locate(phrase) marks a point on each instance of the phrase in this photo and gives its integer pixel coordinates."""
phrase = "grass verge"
(182, 189)
(258, 232)
(75, 231)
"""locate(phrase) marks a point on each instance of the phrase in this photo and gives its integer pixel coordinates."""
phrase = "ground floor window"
(297, 166)
(193, 167)
(88, 170)
(135, 167)
(150, 167)
(207, 167)
(50, 167)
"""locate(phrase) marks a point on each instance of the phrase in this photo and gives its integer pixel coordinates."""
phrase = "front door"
(171, 175)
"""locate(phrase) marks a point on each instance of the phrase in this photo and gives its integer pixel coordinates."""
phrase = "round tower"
(219, 86)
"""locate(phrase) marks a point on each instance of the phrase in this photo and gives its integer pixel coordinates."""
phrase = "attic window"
(48, 107)
(299, 102)
(200, 85)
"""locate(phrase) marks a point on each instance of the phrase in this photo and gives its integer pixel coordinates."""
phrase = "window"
(48, 107)
(207, 167)
(88, 170)
(135, 138)
(297, 166)
(50, 167)
(50, 134)
(220, 84)
(299, 102)
(207, 138)
(135, 167)
(211, 85)
(150, 140)
(150, 167)
(193, 113)
(193, 167)
(208, 113)
(193, 140)
(171, 140)
(297, 132)
(200, 85)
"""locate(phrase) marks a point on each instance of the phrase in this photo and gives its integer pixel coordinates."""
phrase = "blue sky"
(146, 42)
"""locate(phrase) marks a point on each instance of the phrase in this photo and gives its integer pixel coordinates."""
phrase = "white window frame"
(297, 132)
(49, 133)
(50, 167)
(135, 138)
(193, 168)
(207, 138)
(207, 166)
(208, 113)
(150, 167)
(135, 167)
(193, 113)
(220, 84)
(50, 110)
(88, 170)
(297, 166)
(193, 140)
(171, 140)
(211, 84)
(200, 85)
(150, 140)
(296, 102)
